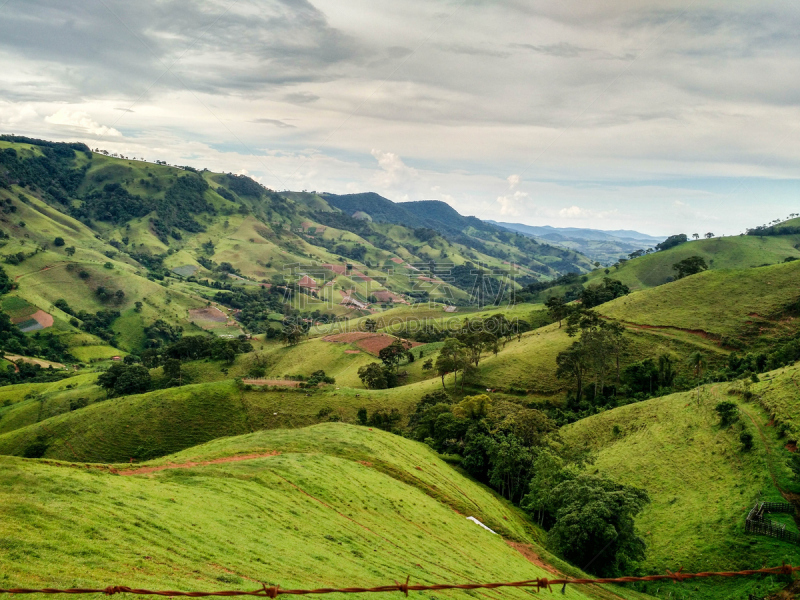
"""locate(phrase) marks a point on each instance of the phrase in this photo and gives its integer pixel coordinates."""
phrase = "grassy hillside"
(327, 506)
(166, 421)
(738, 252)
(727, 303)
(674, 320)
(700, 481)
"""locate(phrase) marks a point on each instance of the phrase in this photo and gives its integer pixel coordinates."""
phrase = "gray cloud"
(561, 49)
(275, 122)
(300, 98)
(475, 51)
(212, 47)
(579, 93)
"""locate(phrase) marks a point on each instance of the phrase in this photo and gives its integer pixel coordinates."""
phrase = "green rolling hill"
(700, 480)
(324, 506)
(737, 252)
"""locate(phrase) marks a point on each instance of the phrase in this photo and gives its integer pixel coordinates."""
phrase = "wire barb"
(403, 587)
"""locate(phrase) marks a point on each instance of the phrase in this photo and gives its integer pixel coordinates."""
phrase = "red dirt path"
(530, 555)
(191, 465)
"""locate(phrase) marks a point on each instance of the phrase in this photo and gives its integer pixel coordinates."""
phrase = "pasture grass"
(340, 505)
(700, 482)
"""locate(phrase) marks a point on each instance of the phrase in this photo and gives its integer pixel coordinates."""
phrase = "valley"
(208, 384)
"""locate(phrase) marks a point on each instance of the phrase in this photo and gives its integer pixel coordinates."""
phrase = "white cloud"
(573, 212)
(396, 172)
(81, 121)
(513, 181)
(12, 115)
(576, 212)
(509, 204)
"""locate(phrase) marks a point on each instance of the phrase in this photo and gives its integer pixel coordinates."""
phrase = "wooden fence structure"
(757, 522)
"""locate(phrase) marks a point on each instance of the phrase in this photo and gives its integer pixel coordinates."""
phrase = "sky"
(662, 116)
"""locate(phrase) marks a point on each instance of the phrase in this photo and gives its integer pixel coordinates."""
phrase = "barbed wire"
(539, 584)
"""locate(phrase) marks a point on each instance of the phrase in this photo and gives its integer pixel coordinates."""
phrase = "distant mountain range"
(605, 246)
(433, 214)
(486, 237)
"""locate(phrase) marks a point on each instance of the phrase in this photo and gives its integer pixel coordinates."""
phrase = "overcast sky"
(662, 116)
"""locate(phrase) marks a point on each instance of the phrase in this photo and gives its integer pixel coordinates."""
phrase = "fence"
(756, 522)
(538, 584)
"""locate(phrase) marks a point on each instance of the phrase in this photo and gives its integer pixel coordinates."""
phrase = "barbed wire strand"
(539, 584)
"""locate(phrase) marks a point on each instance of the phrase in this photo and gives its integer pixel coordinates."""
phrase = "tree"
(572, 364)
(476, 338)
(370, 325)
(70, 251)
(690, 266)
(427, 365)
(473, 408)
(556, 308)
(746, 438)
(595, 524)
(292, 333)
(172, 371)
(548, 472)
(450, 360)
(599, 347)
(581, 320)
(709, 235)
(618, 345)
(123, 379)
(696, 236)
(666, 372)
(373, 376)
(697, 363)
(58, 242)
(511, 464)
(392, 354)
(610, 289)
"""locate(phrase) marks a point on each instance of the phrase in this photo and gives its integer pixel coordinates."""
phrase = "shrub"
(728, 413)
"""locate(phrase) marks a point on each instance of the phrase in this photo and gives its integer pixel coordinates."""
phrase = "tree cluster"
(689, 266)
(382, 375)
(506, 446)
(196, 347)
(672, 241)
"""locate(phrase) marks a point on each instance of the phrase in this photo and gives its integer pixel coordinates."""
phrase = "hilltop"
(736, 252)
